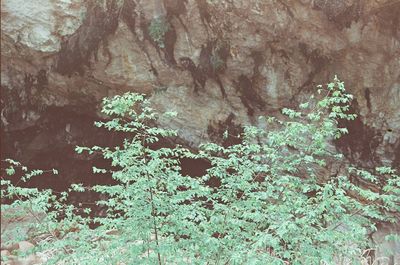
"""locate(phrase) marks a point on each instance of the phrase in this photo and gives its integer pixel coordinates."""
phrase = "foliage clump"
(276, 202)
(157, 29)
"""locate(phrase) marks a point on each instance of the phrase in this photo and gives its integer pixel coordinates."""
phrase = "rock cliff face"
(219, 64)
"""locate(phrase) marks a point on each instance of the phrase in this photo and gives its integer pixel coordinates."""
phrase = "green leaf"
(10, 171)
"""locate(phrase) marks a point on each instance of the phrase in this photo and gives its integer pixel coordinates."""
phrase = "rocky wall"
(217, 63)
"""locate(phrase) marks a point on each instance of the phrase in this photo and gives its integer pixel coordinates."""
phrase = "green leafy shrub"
(277, 203)
(150, 204)
(158, 28)
(274, 206)
(41, 216)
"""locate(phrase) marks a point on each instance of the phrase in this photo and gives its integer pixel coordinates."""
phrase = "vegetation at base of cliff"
(275, 202)
(157, 29)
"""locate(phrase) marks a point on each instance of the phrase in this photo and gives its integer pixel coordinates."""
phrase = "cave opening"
(361, 142)
(50, 144)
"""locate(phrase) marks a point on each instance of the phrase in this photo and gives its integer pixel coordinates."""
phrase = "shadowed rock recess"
(219, 64)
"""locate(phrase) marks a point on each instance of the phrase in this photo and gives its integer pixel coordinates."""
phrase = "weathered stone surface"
(388, 251)
(219, 59)
(23, 219)
(41, 25)
(25, 246)
(244, 57)
(5, 253)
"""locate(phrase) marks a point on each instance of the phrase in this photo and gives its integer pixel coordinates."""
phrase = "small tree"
(152, 205)
(158, 29)
(275, 207)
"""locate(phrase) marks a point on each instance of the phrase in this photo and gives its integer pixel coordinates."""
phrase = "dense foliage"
(157, 29)
(284, 195)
